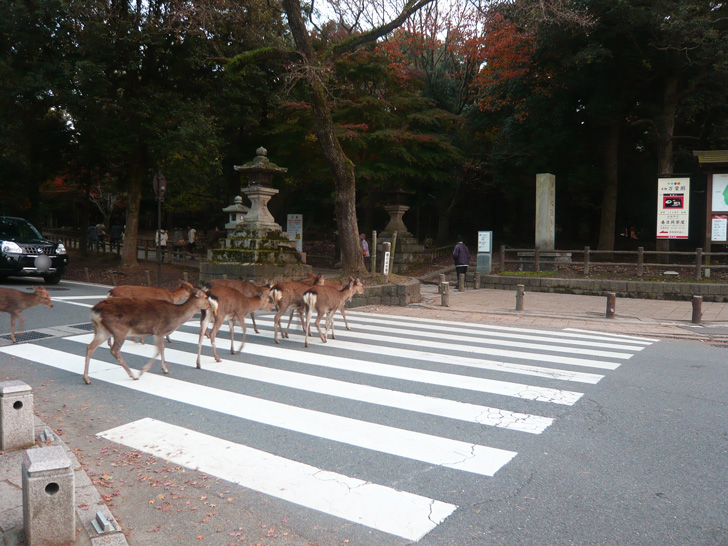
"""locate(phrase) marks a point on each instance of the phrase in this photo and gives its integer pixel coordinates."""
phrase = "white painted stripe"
(505, 388)
(454, 454)
(483, 343)
(431, 405)
(399, 513)
(628, 337)
(454, 328)
(567, 332)
(363, 346)
(68, 298)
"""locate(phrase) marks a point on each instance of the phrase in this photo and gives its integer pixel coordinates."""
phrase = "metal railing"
(636, 260)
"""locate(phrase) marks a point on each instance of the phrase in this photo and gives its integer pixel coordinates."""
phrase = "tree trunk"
(129, 256)
(341, 167)
(607, 226)
(665, 132)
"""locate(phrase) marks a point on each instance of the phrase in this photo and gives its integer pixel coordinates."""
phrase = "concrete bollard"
(445, 294)
(461, 282)
(611, 304)
(697, 309)
(520, 292)
(440, 283)
(49, 497)
(16, 416)
(476, 281)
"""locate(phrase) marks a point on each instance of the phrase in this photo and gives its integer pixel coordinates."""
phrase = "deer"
(15, 302)
(178, 295)
(248, 289)
(233, 305)
(327, 300)
(121, 317)
(284, 295)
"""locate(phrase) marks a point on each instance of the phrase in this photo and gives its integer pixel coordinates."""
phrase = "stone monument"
(258, 249)
(408, 250)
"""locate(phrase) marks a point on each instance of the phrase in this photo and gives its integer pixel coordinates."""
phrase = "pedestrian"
(461, 257)
(365, 251)
(92, 237)
(179, 242)
(191, 238)
(101, 234)
(115, 235)
(160, 238)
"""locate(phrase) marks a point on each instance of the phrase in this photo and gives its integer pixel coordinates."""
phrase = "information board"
(294, 228)
(673, 207)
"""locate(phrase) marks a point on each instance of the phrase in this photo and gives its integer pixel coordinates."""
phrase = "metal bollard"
(49, 497)
(697, 309)
(461, 282)
(520, 292)
(445, 294)
(16, 416)
(611, 304)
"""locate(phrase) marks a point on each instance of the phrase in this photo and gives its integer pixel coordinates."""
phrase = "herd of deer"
(140, 311)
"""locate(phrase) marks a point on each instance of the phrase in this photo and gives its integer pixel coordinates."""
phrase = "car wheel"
(52, 279)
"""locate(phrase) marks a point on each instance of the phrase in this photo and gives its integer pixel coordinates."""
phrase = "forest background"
(461, 103)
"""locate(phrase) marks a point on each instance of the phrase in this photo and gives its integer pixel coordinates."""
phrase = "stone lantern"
(260, 190)
(396, 209)
(236, 214)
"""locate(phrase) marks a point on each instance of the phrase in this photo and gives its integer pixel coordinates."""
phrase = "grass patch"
(528, 273)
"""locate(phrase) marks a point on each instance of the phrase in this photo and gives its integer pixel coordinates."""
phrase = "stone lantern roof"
(260, 170)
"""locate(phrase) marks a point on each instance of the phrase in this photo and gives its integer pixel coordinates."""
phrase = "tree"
(313, 66)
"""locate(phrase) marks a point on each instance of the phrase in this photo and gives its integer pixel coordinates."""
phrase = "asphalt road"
(401, 431)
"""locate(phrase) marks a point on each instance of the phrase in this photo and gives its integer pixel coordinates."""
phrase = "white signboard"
(719, 199)
(673, 208)
(719, 228)
(295, 230)
(485, 241)
(385, 265)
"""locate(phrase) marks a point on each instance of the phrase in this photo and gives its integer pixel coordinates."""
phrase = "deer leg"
(100, 335)
(242, 323)
(204, 321)
(318, 326)
(290, 319)
(14, 316)
(255, 326)
(309, 311)
(159, 342)
(344, 316)
(232, 334)
(277, 324)
(330, 323)
(213, 335)
(116, 351)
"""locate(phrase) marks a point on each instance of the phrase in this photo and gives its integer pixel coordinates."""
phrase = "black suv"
(25, 253)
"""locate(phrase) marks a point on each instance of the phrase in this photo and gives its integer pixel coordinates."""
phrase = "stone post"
(49, 497)
(16, 416)
(545, 211)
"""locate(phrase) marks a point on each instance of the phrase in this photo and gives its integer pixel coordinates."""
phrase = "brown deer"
(327, 300)
(247, 288)
(121, 317)
(287, 294)
(233, 305)
(15, 302)
(178, 295)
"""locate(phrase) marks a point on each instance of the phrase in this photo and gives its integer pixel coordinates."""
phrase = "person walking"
(161, 238)
(92, 238)
(461, 257)
(365, 251)
(179, 243)
(191, 238)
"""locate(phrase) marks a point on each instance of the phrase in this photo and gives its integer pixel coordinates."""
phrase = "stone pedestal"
(259, 218)
(407, 253)
(396, 212)
(16, 416)
(49, 497)
(548, 261)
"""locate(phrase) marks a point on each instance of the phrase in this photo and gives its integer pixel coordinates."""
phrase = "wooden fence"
(535, 259)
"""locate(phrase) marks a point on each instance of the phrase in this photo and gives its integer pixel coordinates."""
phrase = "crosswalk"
(514, 380)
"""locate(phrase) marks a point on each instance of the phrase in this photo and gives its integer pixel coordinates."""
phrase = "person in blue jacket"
(461, 256)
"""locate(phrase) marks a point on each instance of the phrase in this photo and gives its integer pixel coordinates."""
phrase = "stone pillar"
(16, 416)
(259, 217)
(545, 211)
(49, 497)
(395, 219)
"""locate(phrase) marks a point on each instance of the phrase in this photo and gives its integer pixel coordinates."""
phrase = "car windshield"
(16, 228)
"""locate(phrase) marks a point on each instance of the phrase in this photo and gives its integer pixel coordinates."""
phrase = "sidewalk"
(639, 317)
